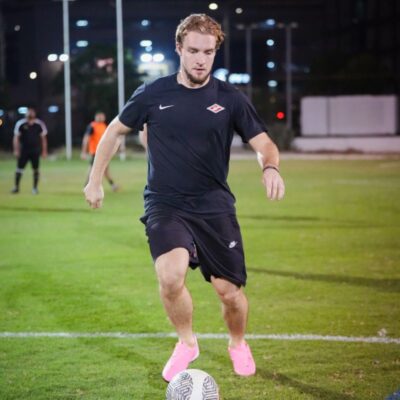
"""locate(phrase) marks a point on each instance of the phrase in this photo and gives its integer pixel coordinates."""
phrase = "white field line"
(122, 335)
(250, 155)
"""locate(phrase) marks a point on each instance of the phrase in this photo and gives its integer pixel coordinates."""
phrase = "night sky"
(337, 30)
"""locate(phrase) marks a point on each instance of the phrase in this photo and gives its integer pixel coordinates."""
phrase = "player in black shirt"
(190, 218)
(30, 141)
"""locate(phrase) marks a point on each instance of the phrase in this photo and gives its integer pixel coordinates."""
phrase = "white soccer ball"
(192, 384)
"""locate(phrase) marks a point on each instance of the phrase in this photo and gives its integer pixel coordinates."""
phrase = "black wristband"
(272, 167)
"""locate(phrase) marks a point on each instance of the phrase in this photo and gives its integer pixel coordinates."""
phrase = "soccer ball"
(192, 384)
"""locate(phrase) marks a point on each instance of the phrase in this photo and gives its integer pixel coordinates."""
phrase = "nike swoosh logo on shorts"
(164, 107)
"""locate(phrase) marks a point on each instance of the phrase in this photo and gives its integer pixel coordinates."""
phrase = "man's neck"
(185, 81)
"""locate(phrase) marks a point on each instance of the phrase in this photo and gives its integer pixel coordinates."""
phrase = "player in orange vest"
(91, 139)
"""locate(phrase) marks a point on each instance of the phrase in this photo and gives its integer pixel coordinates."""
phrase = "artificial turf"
(323, 261)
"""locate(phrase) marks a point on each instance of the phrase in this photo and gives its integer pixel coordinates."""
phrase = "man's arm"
(84, 148)
(268, 158)
(16, 146)
(106, 149)
(85, 141)
(44, 145)
(43, 137)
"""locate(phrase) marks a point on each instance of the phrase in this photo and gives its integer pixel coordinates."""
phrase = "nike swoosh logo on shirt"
(164, 107)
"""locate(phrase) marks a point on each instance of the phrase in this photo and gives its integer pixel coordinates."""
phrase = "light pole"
(67, 74)
(67, 79)
(120, 56)
(227, 44)
(67, 82)
(120, 62)
(288, 61)
(270, 24)
(248, 28)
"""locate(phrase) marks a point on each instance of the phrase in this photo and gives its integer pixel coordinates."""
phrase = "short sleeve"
(17, 128)
(89, 129)
(134, 113)
(247, 122)
(43, 126)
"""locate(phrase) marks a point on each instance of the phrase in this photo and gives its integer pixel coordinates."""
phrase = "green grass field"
(323, 261)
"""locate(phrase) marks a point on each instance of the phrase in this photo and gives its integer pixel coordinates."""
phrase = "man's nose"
(200, 59)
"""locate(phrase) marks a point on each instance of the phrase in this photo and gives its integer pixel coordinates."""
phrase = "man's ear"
(178, 48)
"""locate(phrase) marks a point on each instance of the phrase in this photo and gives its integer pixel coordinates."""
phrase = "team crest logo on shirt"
(215, 108)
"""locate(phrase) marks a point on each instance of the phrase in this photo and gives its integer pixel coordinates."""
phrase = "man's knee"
(229, 293)
(171, 271)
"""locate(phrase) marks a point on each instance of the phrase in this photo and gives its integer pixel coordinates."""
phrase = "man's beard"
(193, 79)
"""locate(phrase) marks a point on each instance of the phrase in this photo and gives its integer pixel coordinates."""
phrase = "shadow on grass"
(389, 285)
(222, 363)
(293, 218)
(309, 221)
(316, 392)
(46, 209)
(150, 363)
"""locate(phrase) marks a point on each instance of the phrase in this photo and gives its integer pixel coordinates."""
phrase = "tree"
(94, 83)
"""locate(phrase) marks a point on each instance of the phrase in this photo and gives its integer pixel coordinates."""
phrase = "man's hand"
(44, 154)
(94, 195)
(273, 183)
(16, 153)
(84, 155)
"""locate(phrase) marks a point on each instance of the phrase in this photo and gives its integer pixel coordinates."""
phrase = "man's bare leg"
(171, 271)
(234, 309)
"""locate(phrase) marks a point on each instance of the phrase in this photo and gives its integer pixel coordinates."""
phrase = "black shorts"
(214, 244)
(28, 156)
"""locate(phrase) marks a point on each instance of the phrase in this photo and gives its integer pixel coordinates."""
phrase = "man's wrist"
(270, 166)
(93, 181)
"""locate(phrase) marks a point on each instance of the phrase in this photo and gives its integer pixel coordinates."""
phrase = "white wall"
(368, 144)
(349, 115)
(314, 116)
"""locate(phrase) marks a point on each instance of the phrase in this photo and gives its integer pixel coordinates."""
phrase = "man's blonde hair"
(201, 23)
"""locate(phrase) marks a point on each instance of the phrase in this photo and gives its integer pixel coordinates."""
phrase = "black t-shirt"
(30, 134)
(189, 137)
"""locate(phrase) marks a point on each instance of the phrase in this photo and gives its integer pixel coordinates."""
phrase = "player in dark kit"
(190, 118)
(30, 142)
